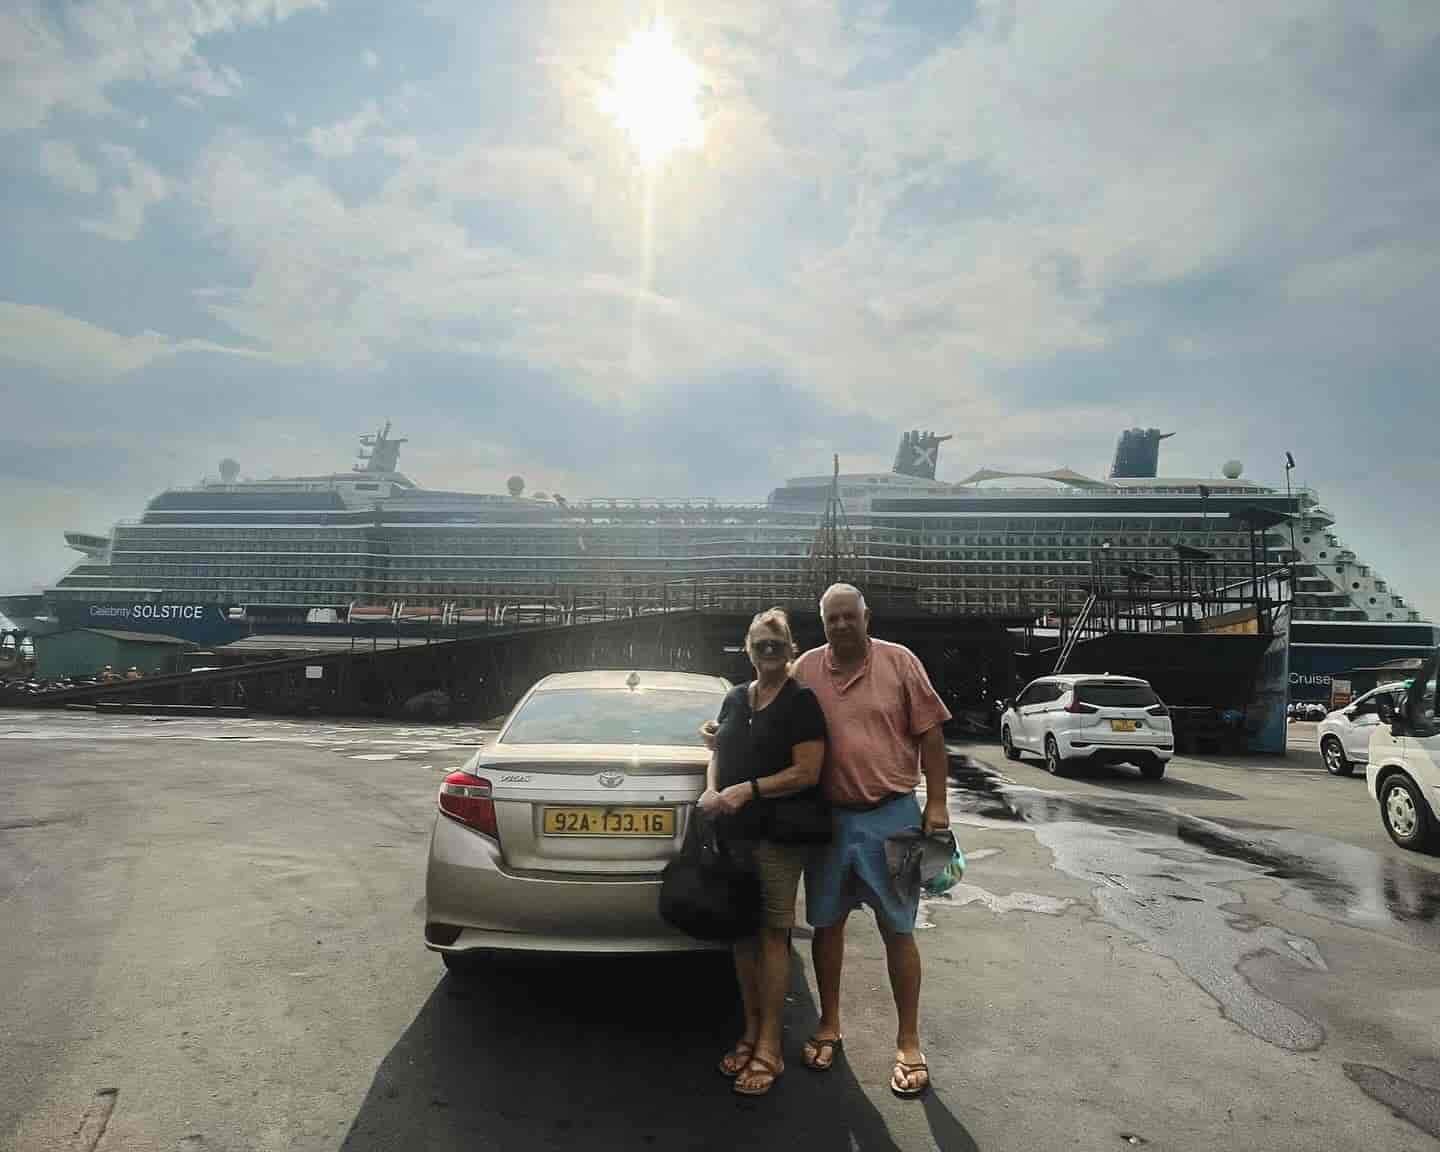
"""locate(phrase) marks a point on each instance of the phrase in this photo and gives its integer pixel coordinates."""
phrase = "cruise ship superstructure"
(232, 555)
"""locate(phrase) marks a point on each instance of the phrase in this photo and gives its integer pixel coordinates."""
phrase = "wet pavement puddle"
(1174, 882)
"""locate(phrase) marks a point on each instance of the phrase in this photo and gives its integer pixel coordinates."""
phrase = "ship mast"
(832, 554)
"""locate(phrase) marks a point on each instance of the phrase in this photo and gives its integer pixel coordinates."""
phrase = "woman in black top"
(762, 786)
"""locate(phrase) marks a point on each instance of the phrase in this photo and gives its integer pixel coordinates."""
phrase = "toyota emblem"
(611, 779)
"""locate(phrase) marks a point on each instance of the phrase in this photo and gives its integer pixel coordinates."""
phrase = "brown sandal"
(766, 1068)
(736, 1060)
(902, 1069)
(819, 1044)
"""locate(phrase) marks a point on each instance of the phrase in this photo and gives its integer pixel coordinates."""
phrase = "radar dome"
(229, 470)
(1232, 469)
(516, 485)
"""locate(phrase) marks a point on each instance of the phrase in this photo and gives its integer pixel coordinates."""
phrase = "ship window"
(1306, 539)
(1372, 598)
(1355, 584)
(1324, 555)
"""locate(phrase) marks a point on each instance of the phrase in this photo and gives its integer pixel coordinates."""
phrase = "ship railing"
(1219, 490)
(666, 504)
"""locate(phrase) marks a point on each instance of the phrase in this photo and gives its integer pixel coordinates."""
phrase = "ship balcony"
(1326, 614)
(1307, 600)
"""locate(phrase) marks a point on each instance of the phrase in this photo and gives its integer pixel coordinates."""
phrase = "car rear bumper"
(483, 940)
(468, 888)
(1081, 746)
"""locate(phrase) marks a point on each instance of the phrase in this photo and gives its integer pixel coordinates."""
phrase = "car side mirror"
(1385, 706)
(1009, 703)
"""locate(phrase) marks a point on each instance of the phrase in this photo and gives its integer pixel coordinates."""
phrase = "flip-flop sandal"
(767, 1068)
(907, 1070)
(820, 1043)
(736, 1060)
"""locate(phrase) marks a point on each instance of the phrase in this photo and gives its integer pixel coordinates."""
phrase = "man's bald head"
(846, 620)
(841, 590)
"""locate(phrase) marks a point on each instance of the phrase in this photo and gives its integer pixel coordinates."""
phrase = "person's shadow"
(602, 1052)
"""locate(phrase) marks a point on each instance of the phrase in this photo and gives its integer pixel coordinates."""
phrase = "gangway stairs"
(1086, 611)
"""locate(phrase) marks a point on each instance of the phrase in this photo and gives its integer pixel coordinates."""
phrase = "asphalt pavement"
(210, 939)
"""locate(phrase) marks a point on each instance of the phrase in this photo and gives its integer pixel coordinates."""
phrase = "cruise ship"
(369, 546)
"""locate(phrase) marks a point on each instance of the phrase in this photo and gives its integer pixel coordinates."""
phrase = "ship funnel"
(1137, 454)
(918, 454)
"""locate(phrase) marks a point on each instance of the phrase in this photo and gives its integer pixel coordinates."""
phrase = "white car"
(1403, 772)
(1091, 719)
(553, 837)
(1344, 734)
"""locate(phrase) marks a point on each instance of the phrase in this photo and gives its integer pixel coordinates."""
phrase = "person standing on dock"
(884, 722)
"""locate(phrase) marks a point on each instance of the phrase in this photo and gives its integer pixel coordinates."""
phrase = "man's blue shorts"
(851, 870)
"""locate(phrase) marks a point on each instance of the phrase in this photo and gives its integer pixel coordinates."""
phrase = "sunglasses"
(769, 647)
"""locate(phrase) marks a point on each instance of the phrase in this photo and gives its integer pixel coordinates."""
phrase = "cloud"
(342, 138)
(67, 171)
(371, 59)
(74, 350)
(980, 206)
(72, 58)
(130, 198)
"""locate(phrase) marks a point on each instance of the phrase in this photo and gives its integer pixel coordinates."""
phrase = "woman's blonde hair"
(776, 620)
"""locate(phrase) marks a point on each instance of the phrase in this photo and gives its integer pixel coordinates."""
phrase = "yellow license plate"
(655, 822)
(1123, 725)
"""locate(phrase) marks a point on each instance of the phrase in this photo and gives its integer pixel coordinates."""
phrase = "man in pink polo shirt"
(884, 720)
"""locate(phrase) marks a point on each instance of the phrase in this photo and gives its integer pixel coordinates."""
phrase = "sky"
(261, 228)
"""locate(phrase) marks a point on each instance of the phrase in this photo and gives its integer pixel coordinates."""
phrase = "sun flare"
(654, 96)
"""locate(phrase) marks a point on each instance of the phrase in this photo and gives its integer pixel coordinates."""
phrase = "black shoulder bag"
(704, 892)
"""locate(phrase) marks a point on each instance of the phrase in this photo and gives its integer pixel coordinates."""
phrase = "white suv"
(1403, 774)
(1345, 733)
(1094, 719)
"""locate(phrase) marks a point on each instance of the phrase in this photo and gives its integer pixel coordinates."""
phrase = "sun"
(654, 96)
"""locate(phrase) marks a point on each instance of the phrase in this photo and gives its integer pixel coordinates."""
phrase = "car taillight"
(467, 799)
(1079, 708)
(1158, 710)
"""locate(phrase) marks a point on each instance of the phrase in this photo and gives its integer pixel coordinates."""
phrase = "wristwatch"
(755, 787)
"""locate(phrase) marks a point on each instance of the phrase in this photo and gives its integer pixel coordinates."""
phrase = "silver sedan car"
(553, 837)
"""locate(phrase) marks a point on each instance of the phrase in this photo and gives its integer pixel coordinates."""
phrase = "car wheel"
(1333, 753)
(1407, 817)
(1008, 744)
(1054, 762)
(1152, 769)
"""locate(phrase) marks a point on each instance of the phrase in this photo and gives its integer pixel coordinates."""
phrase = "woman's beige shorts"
(780, 867)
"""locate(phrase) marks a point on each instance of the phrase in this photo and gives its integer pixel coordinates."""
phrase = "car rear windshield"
(613, 716)
(1116, 695)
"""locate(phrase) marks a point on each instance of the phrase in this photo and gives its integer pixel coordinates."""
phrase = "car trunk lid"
(614, 810)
